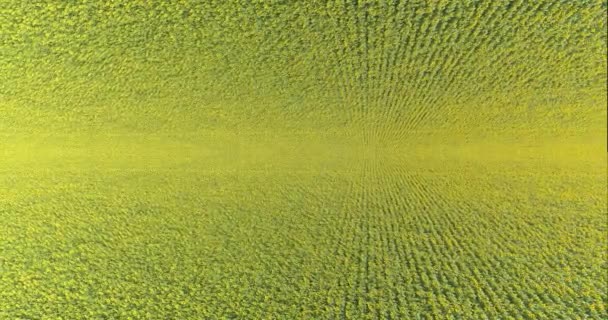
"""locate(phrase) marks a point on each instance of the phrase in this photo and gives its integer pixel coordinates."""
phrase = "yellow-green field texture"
(303, 159)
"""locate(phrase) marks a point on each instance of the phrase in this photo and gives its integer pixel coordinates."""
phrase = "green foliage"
(303, 159)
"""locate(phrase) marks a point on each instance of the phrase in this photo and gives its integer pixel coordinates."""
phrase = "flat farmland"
(372, 240)
(282, 159)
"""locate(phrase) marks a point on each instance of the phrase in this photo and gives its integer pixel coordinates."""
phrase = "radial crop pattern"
(282, 159)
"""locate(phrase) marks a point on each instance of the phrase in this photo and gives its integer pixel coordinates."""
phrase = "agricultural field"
(303, 159)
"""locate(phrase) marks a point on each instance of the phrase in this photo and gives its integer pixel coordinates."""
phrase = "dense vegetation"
(303, 159)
